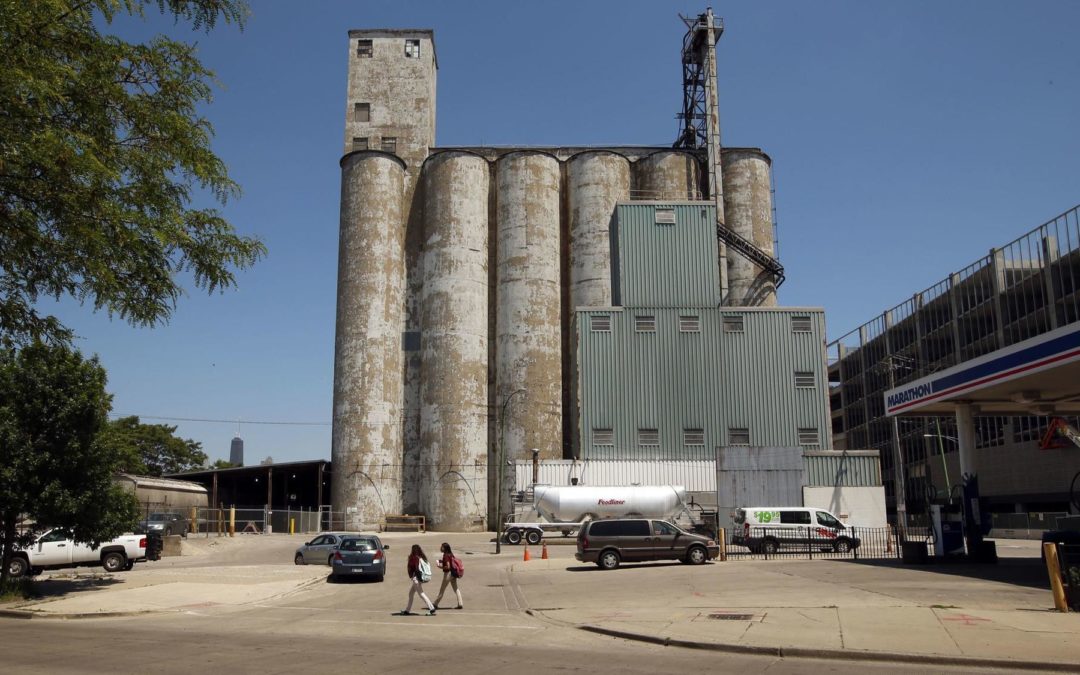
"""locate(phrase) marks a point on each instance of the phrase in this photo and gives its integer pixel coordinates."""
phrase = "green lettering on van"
(766, 516)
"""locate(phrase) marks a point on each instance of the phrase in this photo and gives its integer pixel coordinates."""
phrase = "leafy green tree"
(152, 449)
(222, 464)
(103, 153)
(54, 472)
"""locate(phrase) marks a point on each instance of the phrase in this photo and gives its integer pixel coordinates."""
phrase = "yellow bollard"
(292, 525)
(232, 521)
(1054, 569)
(721, 541)
(193, 522)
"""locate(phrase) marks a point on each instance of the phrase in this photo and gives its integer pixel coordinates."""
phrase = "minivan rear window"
(795, 517)
(620, 528)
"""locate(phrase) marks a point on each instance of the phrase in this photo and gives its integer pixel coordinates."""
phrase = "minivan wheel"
(533, 537)
(696, 555)
(608, 560)
(769, 546)
(842, 546)
(513, 537)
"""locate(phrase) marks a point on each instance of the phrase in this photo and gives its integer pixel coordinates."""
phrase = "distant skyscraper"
(236, 452)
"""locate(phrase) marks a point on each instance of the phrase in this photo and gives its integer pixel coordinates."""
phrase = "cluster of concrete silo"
(510, 242)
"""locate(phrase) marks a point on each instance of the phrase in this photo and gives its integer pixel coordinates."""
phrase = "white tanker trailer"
(564, 508)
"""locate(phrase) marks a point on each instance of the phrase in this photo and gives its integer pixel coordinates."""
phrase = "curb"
(28, 614)
(839, 654)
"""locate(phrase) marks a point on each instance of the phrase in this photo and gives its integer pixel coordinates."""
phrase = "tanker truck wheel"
(513, 537)
(533, 537)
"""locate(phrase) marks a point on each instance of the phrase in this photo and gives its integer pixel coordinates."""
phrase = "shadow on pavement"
(51, 587)
(626, 565)
(1030, 572)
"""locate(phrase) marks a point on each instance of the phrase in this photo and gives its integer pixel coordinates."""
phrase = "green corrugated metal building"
(670, 375)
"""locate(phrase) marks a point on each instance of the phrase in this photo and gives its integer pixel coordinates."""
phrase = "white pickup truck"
(55, 549)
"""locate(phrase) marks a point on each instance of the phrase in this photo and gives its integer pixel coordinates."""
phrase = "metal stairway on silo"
(746, 249)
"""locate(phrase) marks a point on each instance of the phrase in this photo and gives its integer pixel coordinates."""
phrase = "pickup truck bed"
(56, 550)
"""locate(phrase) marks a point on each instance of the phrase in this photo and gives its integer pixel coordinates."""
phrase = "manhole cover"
(732, 617)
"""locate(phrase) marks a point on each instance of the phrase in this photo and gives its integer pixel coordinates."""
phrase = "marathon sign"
(915, 393)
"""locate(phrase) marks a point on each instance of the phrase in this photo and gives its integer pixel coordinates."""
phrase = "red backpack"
(457, 569)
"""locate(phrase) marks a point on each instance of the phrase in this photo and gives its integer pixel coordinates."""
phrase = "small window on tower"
(603, 437)
(801, 324)
(389, 144)
(689, 324)
(600, 323)
(648, 436)
(362, 112)
(738, 436)
(359, 143)
(645, 324)
(665, 217)
(412, 49)
(364, 49)
(733, 323)
(693, 437)
(805, 378)
(809, 436)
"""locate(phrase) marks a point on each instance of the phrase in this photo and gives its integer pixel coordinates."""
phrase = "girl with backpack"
(452, 571)
(419, 574)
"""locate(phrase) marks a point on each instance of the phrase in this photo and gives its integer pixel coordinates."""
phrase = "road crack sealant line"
(835, 654)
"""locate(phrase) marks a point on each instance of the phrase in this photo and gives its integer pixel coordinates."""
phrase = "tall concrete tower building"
(460, 271)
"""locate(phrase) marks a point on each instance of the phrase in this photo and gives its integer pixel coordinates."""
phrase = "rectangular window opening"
(805, 378)
(412, 49)
(665, 216)
(801, 324)
(364, 49)
(600, 323)
(645, 324)
(648, 436)
(389, 144)
(738, 436)
(362, 112)
(733, 323)
(693, 437)
(359, 143)
(603, 437)
(689, 324)
(809, 436)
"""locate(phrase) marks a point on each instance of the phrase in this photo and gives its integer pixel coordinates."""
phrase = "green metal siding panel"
(843, 469)
(663, 265)
(710, 380)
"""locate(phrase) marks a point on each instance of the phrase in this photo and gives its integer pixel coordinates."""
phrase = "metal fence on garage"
(855, 543)
(1024, 525)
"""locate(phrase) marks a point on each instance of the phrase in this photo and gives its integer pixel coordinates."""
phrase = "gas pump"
(948, 530)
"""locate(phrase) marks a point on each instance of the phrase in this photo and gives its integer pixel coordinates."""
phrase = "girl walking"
(419, 573)
(452, 570)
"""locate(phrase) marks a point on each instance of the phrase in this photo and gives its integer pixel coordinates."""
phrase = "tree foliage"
(222, 464)
(103, 153)
(54, 472)
(152, 449)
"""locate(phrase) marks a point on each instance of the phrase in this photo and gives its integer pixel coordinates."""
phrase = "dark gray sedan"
(320, 550)
(359, 556)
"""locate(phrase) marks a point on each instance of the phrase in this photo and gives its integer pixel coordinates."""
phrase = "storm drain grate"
(732, 617)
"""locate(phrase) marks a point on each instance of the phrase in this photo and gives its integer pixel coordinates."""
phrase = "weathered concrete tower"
(389, 129)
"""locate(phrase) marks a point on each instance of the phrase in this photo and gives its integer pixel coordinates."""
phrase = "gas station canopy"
(1039, 376)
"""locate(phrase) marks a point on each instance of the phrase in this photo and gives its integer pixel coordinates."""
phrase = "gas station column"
(965, 436)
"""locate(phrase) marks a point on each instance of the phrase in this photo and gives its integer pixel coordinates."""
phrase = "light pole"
(941, 451)
(500, 469)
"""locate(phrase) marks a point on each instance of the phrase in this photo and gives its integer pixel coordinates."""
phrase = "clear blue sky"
(907, 140)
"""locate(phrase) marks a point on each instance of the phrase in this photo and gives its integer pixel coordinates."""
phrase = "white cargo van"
(767, 529)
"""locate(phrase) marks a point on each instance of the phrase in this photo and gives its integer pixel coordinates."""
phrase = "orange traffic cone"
(527, 557)
(543, 552)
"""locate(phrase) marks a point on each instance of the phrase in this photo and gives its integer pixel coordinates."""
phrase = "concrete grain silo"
(596, 181)
(528, 325)
(454, 343)
(748, 211)
(668, 175)
(366, 433)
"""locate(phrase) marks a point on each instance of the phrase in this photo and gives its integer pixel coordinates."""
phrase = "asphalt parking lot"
(939, 615)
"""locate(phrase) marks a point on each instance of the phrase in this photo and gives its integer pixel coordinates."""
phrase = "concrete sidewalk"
(946, 614)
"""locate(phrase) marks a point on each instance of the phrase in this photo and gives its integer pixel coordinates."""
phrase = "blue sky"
(907, 140)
